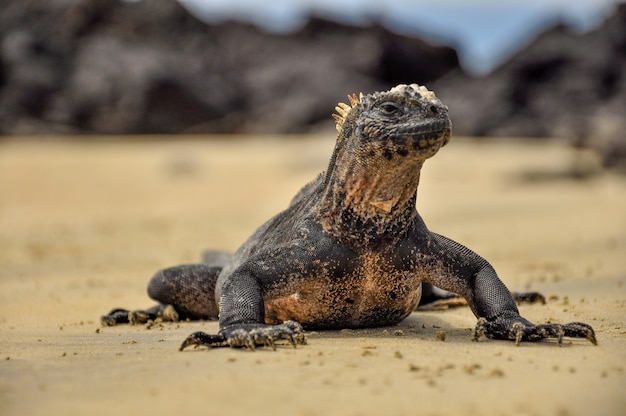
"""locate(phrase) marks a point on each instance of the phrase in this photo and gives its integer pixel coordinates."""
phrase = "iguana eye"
(389, 107)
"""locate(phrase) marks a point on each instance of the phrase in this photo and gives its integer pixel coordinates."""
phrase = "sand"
(83, 225)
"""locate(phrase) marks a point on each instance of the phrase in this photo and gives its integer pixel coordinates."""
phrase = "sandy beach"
(85, 224)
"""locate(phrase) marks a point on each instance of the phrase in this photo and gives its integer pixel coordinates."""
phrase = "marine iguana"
(351, 250)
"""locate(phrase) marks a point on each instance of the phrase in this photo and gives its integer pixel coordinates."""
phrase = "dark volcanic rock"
(93, 65)
(105, 66)
(114, 67)
(561, 85)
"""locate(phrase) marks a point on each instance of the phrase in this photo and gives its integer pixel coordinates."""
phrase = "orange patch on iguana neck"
(387, 205)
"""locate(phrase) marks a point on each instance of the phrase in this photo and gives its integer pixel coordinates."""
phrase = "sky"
(484, 32)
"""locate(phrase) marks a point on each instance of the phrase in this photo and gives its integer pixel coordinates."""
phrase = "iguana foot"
(116, 316)
(528, 297)
(521, 330)
(123, 316)
(452, 301)
(249, 336)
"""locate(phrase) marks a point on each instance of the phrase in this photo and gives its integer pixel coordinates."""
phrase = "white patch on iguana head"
(420, 89)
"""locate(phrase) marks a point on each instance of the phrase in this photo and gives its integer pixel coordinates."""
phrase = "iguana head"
(406, 121)
(373, 175)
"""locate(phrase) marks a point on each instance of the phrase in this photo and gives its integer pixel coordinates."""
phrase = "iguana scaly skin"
(351, 250)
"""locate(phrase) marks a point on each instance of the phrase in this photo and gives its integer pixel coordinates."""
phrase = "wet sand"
(83, 225)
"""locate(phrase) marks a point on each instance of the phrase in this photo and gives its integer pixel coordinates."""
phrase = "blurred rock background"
(152, 67)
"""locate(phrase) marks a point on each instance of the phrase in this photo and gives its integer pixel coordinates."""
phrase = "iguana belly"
(352, 301)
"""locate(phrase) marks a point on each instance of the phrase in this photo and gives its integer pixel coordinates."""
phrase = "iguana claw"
(249, 336)
(525, 331)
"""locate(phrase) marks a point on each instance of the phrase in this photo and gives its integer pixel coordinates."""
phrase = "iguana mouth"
(424, 135)
(431, 126)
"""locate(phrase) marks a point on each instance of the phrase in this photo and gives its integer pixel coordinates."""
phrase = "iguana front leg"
(242, 319)
(182, 292)
(468, 274)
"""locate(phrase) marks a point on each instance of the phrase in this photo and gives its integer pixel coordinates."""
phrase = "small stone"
(440, 335)
(469, 369)
(496, 372)
(170, 314)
